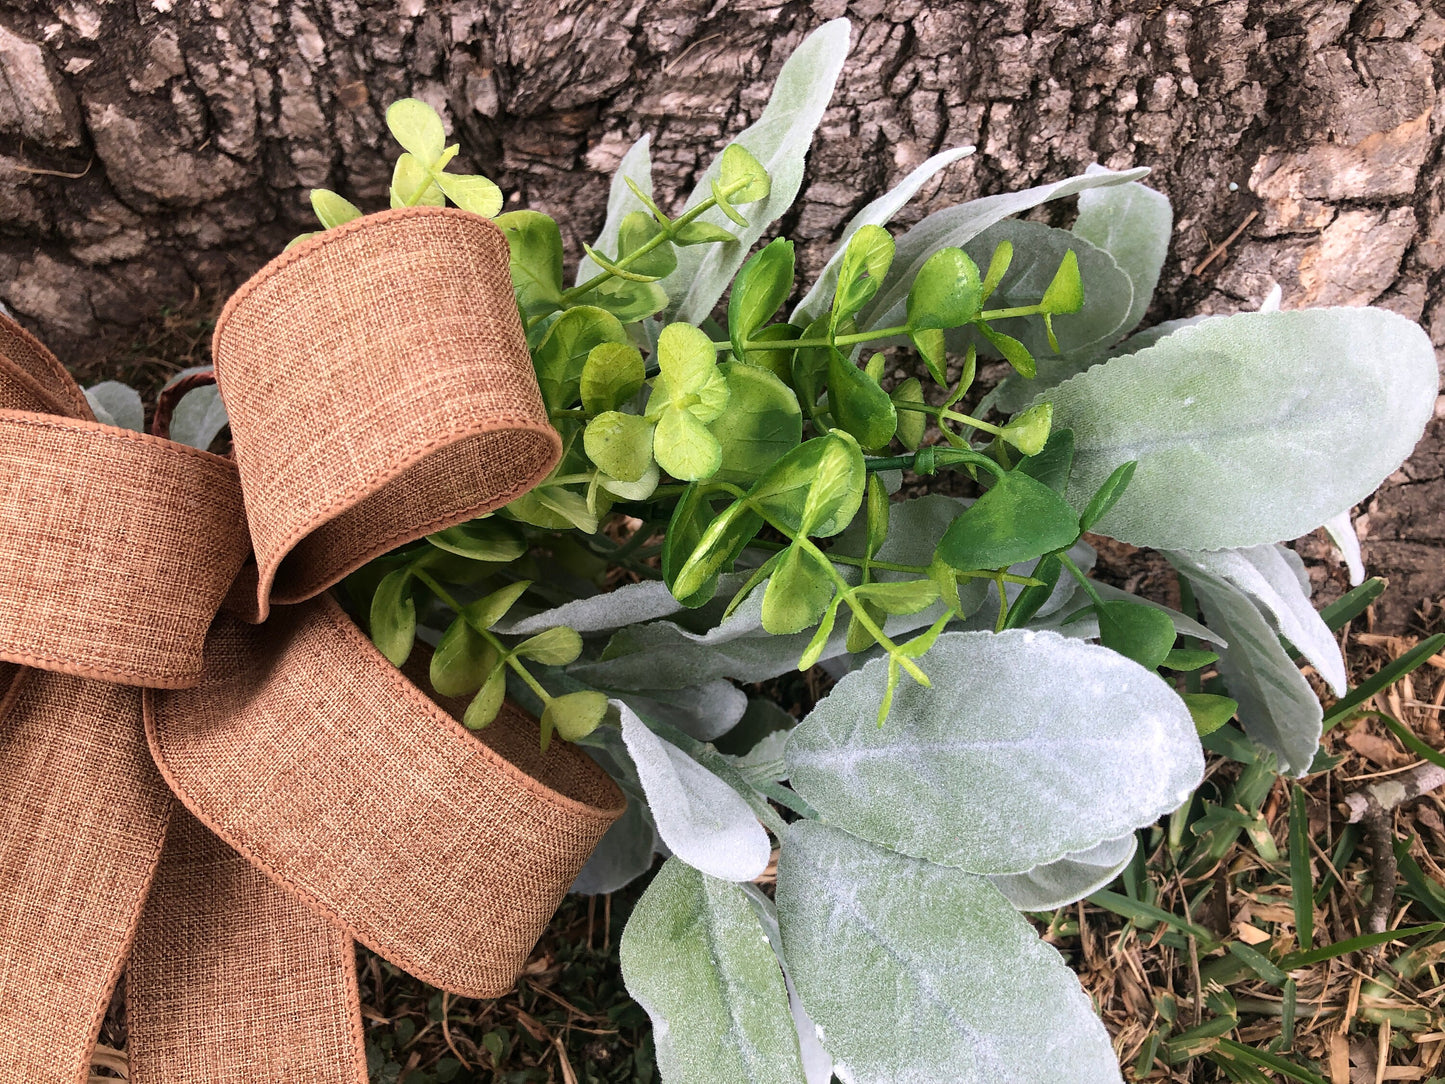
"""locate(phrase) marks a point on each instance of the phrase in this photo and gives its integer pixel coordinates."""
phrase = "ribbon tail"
(82, 821)
(234, 981)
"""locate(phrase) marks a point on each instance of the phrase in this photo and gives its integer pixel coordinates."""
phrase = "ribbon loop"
(377, 392)
(116, 552)
(313, 756)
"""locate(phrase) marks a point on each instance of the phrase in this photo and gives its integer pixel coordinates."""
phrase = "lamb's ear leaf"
(1277, 707)
(199, 417)
(118, 404)
(622, 199)
(1104, 745)
(1069, 879)
(1132, 223)
(779, 141)
(701, 818)
(1252, 428)
(873, 941)
(695, 956)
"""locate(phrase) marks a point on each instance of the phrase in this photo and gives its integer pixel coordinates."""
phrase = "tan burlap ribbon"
(222, 805)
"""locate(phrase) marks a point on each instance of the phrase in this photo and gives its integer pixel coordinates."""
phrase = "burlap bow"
(226, 828)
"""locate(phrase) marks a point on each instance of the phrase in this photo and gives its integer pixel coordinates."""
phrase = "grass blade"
(1300, 877)
(1138, 911)
(1283, 1066)
(1388, 675)
(1349, 606)
(1297, 960)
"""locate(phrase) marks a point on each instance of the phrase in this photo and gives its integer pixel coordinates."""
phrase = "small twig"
(447, 1032)
(1372, 807)
(1219, 249)
(1391, 793)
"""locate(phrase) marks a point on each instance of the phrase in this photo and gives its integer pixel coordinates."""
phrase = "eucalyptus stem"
(486, 634)
(653, 242)
(952, 415)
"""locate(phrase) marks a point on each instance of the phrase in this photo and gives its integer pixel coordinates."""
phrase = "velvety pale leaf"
(703, 821)
(960, 225)
(779, 140)
(1251, 428)
(1341, 530)
(623, 855)
(917, 972)
(817, 1064)
(199, 417)
(627, 605)
(1071, 878)
(1270, 581)
(116, 404)
(1277, 707)
(637, 165)
(695, 956)
(878, 213)
(1027, 747)
(704, 711)
(1132, 223)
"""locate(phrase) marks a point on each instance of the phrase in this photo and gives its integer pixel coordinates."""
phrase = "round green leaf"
(684, 447)
(798, 592)
(462, 660)
(1018, 519)
(686, 357)
(481, 540)
(331, 209)
(620, 444)
(417, 127)
(761, 424)
(562, 355)
(472, 193)
(488, 701)
(412, 186)
(536, 260)
(636, 230)
(759, 291)
(912, 424)
(865, 262)
(948, 291)
(556, 646)
(1137, 632)
(573, 716)
(393, 616)
(738, 164)
(859, 406)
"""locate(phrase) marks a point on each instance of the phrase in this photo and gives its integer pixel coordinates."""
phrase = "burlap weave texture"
(325, 796)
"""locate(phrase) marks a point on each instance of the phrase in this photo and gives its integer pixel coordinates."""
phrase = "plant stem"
(485, 633)
(653, 242)
(952, 415)
(814, 344)
(1078, 574)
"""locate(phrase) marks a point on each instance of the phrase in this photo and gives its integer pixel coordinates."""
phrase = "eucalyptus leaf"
(779, 140)
(798, 591)
(415, 125)
(684, 447)
(1252, 428)
(481, 540)
(1027, 747)
(1018, 519)
(1277, 708)
(412, 186)
(859, 406)
(462, 660)
(562, 354)
(695, 956)
(473, 193)
(1069, 879)
(640, 229)
(865, 262)
(620, 444)
(1039, 252)
(761, 424)
(703, 820)
(332, 210)
(535, 244)
(916, 972)
(393, 616)
(552, 647)
(877, 213)
(759, 291)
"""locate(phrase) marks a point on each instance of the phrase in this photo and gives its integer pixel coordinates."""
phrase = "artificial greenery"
(739, 473)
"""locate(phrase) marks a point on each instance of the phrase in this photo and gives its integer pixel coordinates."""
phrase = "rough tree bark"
(153, 149)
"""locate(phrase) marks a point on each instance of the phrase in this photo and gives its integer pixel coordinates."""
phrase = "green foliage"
(730, 486)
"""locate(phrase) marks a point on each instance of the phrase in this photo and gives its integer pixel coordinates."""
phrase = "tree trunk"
(152, 151)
